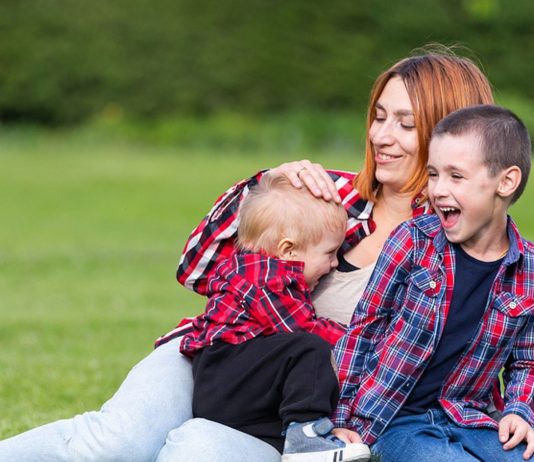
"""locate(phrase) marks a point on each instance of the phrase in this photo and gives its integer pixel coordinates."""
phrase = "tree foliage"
(66, 61)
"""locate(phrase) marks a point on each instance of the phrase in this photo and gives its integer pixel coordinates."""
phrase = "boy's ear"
(286, 249)
(510, 179)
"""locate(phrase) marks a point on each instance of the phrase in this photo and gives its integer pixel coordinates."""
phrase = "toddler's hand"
(521, 430)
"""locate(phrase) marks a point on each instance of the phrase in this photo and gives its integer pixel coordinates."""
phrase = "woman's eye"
(408, 123)
(380, 117)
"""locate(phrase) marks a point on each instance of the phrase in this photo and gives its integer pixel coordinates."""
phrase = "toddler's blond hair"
(274, 210)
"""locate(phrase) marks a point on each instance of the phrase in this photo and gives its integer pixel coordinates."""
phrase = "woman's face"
(393, 136)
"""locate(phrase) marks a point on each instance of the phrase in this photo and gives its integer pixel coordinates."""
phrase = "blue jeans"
(433, 437)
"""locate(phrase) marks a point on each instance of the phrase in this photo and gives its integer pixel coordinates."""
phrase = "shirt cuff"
(342, 417)
(521, 409)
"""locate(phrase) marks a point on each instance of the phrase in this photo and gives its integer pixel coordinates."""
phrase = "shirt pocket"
(506, 316)
(422, 298)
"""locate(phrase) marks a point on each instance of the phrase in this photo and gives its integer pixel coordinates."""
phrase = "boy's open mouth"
(450, 216)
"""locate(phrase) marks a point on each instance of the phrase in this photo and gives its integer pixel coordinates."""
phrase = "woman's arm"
(213, 239)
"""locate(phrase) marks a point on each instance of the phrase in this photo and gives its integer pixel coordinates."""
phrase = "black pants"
(260, 386)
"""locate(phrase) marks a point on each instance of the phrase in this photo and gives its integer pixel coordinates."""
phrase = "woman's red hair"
(438, 83)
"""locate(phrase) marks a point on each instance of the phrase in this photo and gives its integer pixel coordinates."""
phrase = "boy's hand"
(346, 435)
(521, 430)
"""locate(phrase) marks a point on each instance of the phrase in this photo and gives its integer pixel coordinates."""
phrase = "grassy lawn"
(91, 234)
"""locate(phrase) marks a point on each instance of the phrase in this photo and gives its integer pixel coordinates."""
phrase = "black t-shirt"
(472, 284)
(343, 265)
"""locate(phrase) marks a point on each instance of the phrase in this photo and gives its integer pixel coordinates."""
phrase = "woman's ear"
(286, 249)
(510, 180)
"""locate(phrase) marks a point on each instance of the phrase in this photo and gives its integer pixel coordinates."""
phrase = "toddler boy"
(262, 360)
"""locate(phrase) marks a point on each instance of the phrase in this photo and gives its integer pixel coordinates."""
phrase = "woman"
(135, 424)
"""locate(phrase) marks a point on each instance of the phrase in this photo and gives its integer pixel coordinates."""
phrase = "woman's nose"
(383, 134)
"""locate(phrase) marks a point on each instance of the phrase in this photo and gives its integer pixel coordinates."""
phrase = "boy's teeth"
(447, 211)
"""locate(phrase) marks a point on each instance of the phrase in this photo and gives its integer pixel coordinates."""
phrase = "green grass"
(91, 231)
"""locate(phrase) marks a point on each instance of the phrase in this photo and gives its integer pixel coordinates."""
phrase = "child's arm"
(518, 397)
(287, 310)
(371, 319)
(519, 379)
(513, 430)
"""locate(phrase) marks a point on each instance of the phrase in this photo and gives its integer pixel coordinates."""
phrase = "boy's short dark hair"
(504, 139)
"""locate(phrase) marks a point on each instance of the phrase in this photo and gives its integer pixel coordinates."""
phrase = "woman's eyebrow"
(398, 112)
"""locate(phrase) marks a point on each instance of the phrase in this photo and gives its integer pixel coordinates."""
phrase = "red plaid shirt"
(212, 241)
(399, 321)
(253, 295)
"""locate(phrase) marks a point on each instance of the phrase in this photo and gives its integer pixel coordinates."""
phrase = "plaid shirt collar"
(516, 251)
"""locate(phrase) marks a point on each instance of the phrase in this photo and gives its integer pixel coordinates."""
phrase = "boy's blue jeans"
(433, 437)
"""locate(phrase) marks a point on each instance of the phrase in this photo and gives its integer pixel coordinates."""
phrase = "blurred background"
(121, 122)
(71, 62)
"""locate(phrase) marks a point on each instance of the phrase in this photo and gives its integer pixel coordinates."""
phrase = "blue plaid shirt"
(399, 321)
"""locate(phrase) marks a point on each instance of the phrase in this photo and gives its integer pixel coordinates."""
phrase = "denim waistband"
(437, 416)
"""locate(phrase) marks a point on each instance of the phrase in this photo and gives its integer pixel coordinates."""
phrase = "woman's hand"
(312, 176)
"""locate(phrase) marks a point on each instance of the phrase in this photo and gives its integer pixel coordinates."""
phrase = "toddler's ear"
(286, 249)
(510, 180)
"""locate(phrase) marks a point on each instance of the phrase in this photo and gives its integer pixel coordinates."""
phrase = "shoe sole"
(351, 453)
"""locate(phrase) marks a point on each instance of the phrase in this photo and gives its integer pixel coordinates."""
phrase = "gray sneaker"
(313, 442)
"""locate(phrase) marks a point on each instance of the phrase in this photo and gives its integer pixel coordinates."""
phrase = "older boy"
(450, 303)
(256, 365)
